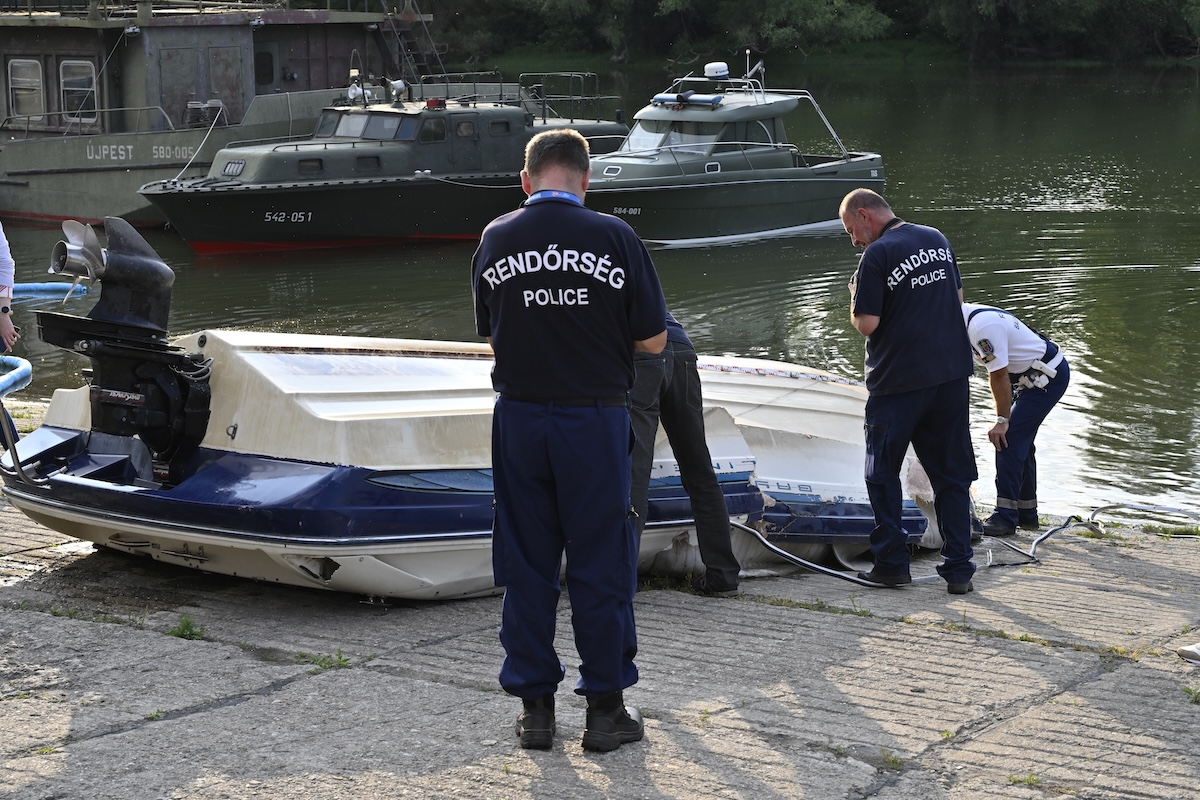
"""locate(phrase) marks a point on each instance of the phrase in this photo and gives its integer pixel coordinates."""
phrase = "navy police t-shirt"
(564, 292)
(909, 279)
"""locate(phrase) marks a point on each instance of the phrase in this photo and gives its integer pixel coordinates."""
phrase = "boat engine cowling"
(149, 400)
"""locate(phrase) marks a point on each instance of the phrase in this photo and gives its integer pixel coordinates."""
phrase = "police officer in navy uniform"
(905, 298)
(1028, 376)
(565, 295)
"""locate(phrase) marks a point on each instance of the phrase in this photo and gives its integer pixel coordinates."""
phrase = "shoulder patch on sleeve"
(986, 350)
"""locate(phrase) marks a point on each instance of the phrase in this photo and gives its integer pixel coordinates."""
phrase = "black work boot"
(610, 723)
(536, 726)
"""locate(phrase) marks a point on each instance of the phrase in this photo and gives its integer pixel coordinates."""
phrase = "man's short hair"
(863, 198)
(561, 147)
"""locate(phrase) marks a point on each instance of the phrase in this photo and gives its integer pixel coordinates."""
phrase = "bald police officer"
(905, 298)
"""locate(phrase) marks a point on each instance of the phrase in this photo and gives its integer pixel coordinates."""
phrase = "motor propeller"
(80, 255)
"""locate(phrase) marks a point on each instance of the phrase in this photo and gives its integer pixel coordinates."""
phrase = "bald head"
(864, 213)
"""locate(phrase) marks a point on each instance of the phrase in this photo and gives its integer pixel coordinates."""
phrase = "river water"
(1070, 195)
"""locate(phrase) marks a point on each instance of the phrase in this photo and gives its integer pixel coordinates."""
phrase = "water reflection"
(1066, 195)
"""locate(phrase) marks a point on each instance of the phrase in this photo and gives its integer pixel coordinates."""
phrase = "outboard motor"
(149, 400)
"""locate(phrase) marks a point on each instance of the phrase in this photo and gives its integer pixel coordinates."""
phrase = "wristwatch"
(5, 310)
(1001, 420)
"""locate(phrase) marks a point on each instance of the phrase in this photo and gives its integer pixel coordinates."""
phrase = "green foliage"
(1029, 780)
(687, 32)
(323, 662)
(187, 629)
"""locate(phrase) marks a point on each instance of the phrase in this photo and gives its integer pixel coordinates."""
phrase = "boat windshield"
(379, 127)
(678, 135)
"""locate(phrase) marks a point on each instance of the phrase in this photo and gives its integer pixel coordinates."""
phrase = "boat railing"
(743, 88)
(469, 87)
(566, 95)
(751, 87)
(805, 95)
(144, 119)
(563, 95)
(296, 137)
(113, 9)
(326, 144)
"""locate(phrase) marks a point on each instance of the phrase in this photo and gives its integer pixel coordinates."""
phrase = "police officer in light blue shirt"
(905, 298)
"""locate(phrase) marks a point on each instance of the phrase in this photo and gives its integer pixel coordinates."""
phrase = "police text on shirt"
(553, 259)
(916, 261)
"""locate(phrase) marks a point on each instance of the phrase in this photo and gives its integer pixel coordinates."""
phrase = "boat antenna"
(758, 69)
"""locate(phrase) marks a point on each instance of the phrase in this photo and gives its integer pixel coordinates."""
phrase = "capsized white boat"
(361, 464)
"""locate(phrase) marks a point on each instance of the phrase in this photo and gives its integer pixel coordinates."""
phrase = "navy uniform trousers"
(667, 387)
(562, 486)
(1016, 465)
(935, 421)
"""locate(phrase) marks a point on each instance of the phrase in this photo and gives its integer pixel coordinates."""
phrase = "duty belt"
(1042, 372)
(614, 401)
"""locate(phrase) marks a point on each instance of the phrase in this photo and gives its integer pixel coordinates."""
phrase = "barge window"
(367, 164)
(311, 166)
(434, 130)
(26, 95)
(77, 81)
(382, 126)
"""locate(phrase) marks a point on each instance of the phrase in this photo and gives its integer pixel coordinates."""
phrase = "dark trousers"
(667, 390)
(935, 422)
(1016, 465)
(562, 486)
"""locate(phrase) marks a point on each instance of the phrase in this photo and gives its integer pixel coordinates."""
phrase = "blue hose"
(18, 375)
(47, 288)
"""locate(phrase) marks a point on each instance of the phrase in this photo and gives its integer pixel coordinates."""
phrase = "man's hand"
(8, 332)
(998, 435)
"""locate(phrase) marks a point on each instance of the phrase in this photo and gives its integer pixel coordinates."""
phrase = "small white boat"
(363, 465)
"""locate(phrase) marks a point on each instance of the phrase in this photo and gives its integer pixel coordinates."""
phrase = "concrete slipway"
(1051, 680)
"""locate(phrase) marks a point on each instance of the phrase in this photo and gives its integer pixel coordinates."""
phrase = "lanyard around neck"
(552, 194)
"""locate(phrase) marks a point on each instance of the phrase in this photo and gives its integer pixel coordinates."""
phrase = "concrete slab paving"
(1052, 679)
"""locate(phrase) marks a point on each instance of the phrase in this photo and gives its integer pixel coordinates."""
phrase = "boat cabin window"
(681, 135)
(758, 133)
(464, 130)
(370, 164)
(26, 92)
(434, 130)
(382, 126)
(311, 166)
(693, 137)
(499, 127)
(742, 135)
(351, 125)
(408, 129)
(77, 81)
(326, 124)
